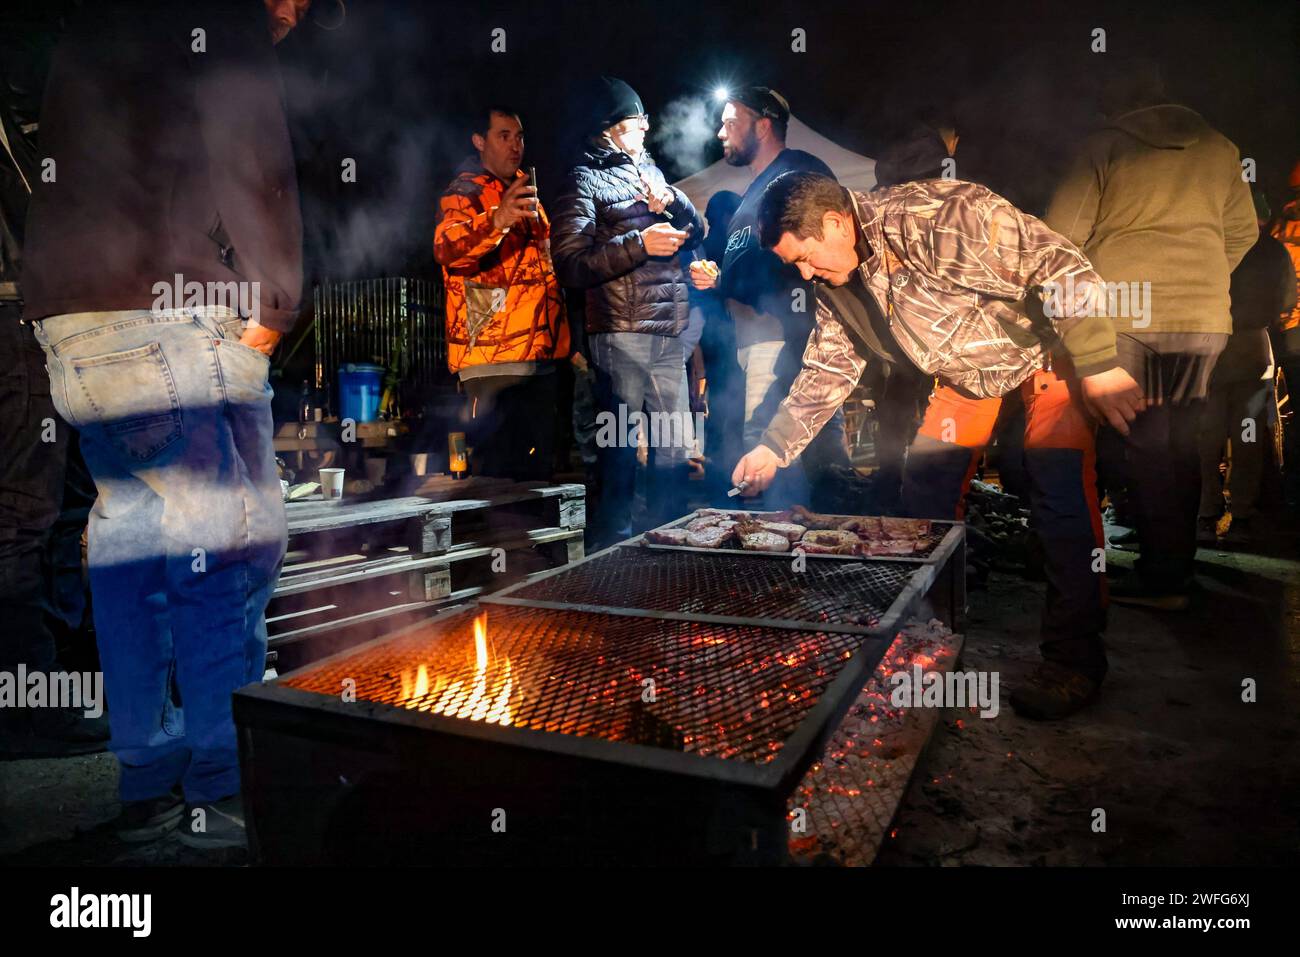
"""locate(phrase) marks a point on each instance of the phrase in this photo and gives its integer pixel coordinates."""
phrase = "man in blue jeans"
(163, 264)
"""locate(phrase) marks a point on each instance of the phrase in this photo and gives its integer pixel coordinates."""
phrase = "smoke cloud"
(685, 133)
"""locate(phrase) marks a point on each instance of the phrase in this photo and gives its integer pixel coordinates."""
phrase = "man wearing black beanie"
(617, 230)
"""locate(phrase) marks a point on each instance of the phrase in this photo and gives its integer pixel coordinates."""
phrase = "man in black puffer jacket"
(617, 228)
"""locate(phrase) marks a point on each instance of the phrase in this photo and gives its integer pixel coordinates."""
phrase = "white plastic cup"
(420, 463)
(331, 483)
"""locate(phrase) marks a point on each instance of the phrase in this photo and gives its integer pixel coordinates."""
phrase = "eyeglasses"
(641, 120)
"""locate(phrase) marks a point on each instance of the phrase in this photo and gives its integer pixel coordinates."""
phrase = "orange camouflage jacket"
(502, 301)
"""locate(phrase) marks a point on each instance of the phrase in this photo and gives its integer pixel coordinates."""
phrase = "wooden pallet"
(357, 568)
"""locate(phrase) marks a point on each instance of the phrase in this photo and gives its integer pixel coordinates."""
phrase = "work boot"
(1133, 591)
(1053, 691)
(149, 819)
(220, 825)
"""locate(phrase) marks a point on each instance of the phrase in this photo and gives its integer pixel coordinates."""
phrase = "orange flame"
(486, 697)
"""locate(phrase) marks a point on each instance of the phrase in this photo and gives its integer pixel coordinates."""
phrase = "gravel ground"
(1186, 773)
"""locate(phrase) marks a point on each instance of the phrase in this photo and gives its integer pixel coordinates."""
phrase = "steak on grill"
(893, 547)
(830, 539)
(667, 536)
(759, 537)
(709, 536)
(896, 528)
(790, 530)
(813, 520)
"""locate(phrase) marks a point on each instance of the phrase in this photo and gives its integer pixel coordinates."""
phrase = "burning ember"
(850, 796)
(734, 692)
(486, 697)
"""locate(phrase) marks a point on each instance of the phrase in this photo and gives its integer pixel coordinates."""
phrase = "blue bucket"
(360, 389)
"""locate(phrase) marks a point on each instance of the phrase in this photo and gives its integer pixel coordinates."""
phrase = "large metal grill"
(636, 706)
(717, 586)
(392, 322)
(725, 691)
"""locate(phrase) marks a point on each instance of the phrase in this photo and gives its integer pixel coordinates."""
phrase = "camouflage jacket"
(951, 264)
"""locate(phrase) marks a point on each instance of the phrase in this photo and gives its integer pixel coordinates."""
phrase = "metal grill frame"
(306, 742)
(956, 532)
(778, 775)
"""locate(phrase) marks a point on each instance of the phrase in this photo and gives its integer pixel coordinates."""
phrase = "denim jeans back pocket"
(132, 398)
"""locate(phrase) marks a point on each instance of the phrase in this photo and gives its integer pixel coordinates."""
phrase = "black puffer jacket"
(596, 225)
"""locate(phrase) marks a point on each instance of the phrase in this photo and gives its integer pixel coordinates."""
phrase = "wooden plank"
(311, 516)
(369, 569)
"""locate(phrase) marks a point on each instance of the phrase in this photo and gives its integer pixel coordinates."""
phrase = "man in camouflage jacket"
(939, 274)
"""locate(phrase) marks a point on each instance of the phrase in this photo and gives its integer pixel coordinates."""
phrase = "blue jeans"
(187, 533)
(640, 372)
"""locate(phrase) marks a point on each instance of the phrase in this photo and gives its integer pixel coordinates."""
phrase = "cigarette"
(738, 489)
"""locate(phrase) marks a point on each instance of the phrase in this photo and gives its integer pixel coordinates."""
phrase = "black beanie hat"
(613, 100)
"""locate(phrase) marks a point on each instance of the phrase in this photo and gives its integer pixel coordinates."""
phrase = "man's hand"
(1113, 396)
(518, 202)
(662, 240)
(262, 339)
(704, 273)
(658, 202)
(579, 362)
(757, 468)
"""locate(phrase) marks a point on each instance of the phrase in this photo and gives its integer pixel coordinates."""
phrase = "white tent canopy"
(854, 171)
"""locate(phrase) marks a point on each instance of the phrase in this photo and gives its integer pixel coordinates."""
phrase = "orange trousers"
(1061, 468)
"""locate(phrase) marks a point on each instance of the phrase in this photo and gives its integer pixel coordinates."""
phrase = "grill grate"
(730, 585)
(726, 691)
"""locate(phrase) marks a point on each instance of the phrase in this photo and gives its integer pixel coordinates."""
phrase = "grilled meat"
(809, 519)
(666, 536)
(710, 536)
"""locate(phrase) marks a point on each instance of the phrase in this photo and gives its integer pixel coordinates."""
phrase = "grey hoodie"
(1157, 196)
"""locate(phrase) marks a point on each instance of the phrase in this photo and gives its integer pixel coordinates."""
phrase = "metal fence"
(393, 322)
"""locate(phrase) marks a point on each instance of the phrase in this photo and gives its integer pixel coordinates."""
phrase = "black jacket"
(756, 276)
(169, 160)
(596, 225)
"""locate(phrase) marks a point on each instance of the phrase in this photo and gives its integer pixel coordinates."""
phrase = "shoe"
(1124, 541)
(1131, 591)
(220, 825)
(1053, 691)
(149, 819)
(1207, 531)
(53, 733)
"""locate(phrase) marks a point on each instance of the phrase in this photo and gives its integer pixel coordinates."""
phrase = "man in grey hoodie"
(1158, 203)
